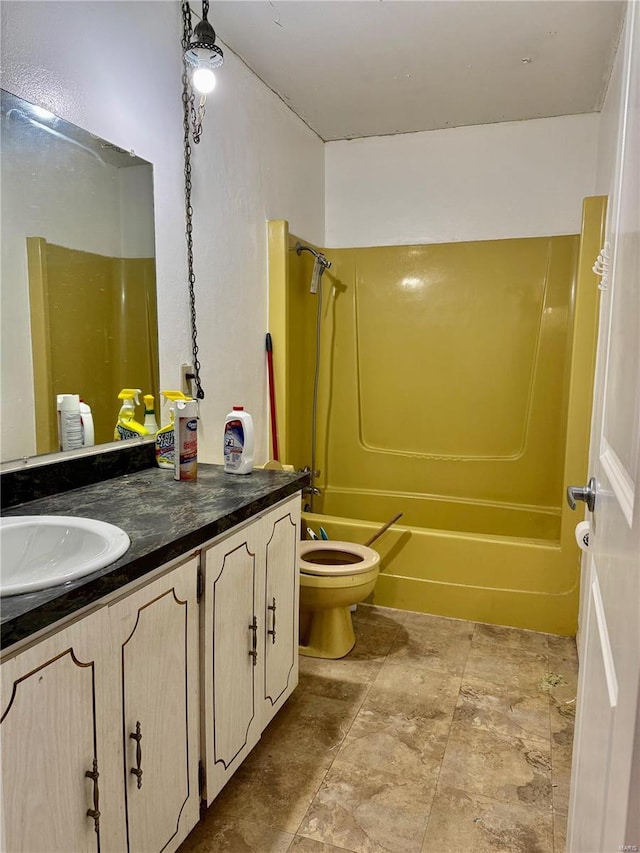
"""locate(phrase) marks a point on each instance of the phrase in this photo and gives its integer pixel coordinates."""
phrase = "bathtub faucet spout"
(310, 490)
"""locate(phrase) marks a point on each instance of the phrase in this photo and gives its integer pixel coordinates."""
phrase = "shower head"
(320, 258)
(320, 264)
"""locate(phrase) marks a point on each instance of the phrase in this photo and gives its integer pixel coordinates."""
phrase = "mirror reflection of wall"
(79, 311)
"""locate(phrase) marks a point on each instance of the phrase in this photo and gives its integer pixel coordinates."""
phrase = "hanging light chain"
(188, 112)
(196, 116)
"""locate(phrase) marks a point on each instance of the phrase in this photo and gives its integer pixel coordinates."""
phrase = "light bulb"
(204, 80)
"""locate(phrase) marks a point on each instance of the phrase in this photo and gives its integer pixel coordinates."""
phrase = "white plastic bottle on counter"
(86, 418)
(69, 421)
(238, 442)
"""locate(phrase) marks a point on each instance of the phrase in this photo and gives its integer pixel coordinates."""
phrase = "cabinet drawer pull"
(254, 642)
(273, 629)
(137, 771)
(95, 811)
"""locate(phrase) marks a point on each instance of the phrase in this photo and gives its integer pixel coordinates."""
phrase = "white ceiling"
(352, 68)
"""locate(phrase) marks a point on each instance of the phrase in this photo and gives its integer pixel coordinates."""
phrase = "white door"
(603, 812)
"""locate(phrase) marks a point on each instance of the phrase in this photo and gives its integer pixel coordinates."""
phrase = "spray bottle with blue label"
(238, 442)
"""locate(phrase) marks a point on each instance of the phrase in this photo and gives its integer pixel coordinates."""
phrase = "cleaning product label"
(71, 430)
(165, 448)
(125, 433)
(188, 430)
(233, 444)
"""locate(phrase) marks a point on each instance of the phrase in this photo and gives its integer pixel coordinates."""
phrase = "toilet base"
(326, 633)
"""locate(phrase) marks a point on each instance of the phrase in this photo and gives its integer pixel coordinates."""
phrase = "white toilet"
(333, 576)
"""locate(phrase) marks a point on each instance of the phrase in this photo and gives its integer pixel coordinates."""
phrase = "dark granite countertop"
(164, 519)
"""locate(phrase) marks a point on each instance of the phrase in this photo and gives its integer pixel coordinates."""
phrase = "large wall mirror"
(79, 310)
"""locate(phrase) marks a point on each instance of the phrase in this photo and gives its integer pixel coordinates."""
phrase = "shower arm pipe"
(302, 247)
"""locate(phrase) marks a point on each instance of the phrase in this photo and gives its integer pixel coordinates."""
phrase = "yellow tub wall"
(445, 513)
(135, 330)
(443, 369)
(583, 359)
(476, 454)
(301, 367)
(278, 271)
(292, 324)
(498, 580)
(99, 323)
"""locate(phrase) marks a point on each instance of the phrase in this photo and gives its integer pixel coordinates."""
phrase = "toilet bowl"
(333, 577)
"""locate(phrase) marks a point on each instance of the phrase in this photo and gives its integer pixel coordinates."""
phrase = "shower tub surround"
(455, 385)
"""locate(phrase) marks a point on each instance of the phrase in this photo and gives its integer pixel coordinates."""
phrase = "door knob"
(583, 493)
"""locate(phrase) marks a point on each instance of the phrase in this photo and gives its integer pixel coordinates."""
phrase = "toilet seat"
(336, 559)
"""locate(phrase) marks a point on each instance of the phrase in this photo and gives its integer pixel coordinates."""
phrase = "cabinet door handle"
(95, 811)
(254, 642)
(137, 770)
(272, 607)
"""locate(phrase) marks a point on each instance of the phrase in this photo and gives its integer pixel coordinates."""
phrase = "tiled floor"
(433, 736)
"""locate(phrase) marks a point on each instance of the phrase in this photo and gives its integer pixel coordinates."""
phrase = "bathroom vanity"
(131, 696)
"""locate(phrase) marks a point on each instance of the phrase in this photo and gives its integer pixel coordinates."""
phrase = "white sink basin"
(39, 551)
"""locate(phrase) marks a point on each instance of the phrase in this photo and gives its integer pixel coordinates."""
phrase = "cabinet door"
(155, 637)
(281, 530)
(232, 654)
(51, 724)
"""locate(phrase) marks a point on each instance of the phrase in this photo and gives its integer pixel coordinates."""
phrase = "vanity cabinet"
(281, 531)
(154, 634)
(52, 728)
(99, 727)
(249, 637)
(115, 726)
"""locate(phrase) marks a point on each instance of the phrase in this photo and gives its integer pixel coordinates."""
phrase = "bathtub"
(464, 567)
(454, 386)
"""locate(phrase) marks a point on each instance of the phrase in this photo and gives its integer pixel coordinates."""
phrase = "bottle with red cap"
(238, 441)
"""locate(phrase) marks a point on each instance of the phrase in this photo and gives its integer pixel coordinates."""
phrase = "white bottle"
(150, 423)
(185, 432)
(238, 441)
(86, 419)
(69, 421)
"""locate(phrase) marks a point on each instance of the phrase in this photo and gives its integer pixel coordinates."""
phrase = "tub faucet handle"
(583, 493)
(307, 470)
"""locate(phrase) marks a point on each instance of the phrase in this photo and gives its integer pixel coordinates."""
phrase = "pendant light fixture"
(203, 55)
(200, 57)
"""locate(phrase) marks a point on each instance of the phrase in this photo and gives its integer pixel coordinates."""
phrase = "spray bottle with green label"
(150, 423)
(127, 426)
